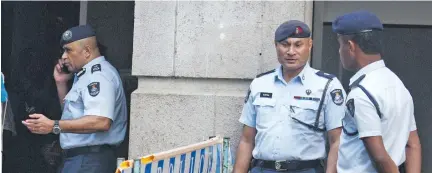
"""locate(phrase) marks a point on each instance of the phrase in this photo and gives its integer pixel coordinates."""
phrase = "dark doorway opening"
(31, 33)
(30, 48)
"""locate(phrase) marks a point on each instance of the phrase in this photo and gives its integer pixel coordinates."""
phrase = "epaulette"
(357, 82)
(268, 72)
(81, 72)
(325, 75)
(96, 67)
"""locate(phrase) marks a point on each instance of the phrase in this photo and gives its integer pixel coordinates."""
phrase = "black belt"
(402, 168)
(286, 165)
(87, 149)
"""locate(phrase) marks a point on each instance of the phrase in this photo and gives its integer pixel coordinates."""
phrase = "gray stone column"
(194, 62)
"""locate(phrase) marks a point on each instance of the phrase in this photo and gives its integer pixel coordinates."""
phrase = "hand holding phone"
(64, 69)
(61, 72)
(29, 109)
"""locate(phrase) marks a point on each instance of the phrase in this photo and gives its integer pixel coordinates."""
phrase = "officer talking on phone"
(94, 115)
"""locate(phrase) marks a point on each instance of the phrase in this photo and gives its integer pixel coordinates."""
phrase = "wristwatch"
(56, 128)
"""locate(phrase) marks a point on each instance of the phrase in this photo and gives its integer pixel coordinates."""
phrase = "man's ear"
(352, 47)
(87, 51)
(310, 43)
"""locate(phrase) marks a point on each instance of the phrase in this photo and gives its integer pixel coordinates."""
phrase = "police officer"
(288, 110)
(94, 115)
(379, 129)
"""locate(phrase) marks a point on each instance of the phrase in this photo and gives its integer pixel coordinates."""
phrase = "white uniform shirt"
(97, 90)
(362, 119)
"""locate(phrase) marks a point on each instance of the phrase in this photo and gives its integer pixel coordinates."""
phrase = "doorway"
(406, 51)
(31, 33)
(30, 48)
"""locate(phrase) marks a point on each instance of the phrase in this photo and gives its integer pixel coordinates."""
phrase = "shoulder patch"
(325, 75)
(268, 72)
(93, 88)
(350, 107)
(337, 96)
(96, 67)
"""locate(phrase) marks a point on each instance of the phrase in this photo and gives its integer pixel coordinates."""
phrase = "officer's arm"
(413, 147)
(99, 104)
(413, 153)
(244, 151)
(247, 140)
(369, 128)
(379, 155)
(86, 124)
(333, 138)
(334, 113)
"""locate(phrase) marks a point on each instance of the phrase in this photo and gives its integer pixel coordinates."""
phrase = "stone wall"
(194, 62)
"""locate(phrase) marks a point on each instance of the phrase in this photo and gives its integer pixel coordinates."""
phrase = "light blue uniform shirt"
(272, 105)
(97, 90)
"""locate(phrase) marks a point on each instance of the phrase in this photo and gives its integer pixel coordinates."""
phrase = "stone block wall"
(194, 62)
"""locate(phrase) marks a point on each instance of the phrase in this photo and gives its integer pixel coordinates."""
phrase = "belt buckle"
(278, 165)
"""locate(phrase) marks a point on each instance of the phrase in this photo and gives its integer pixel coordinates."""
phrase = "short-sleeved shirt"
(362, 118)
(97, 90)
(279, 110)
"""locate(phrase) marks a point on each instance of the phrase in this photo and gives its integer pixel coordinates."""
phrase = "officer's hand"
(59, 75)
(39, 124)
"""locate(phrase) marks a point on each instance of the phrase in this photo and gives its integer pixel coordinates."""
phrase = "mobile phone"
(30, 110)
(65, 69)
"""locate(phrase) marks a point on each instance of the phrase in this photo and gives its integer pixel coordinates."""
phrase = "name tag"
(266, 95)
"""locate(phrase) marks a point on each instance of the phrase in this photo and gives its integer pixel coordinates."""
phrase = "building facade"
(187, 65)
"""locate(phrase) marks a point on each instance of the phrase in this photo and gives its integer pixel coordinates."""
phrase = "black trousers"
(402, 168)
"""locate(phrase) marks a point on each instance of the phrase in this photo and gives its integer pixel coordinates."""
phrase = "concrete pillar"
(194, 62)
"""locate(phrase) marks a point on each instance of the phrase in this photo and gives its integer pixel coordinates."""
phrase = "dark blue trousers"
(101, 162)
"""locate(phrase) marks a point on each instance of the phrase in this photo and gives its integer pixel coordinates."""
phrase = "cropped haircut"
(370, 42)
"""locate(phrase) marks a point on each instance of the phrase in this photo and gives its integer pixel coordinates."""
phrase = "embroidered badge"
(337, 96)
(93, 88)
(350, 107)
(67, 35)
(266, 95)
(298, 30)
(96, 67)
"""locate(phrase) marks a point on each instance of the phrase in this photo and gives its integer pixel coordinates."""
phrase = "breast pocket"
(266, 111)
(305, 113)
(73, 104)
